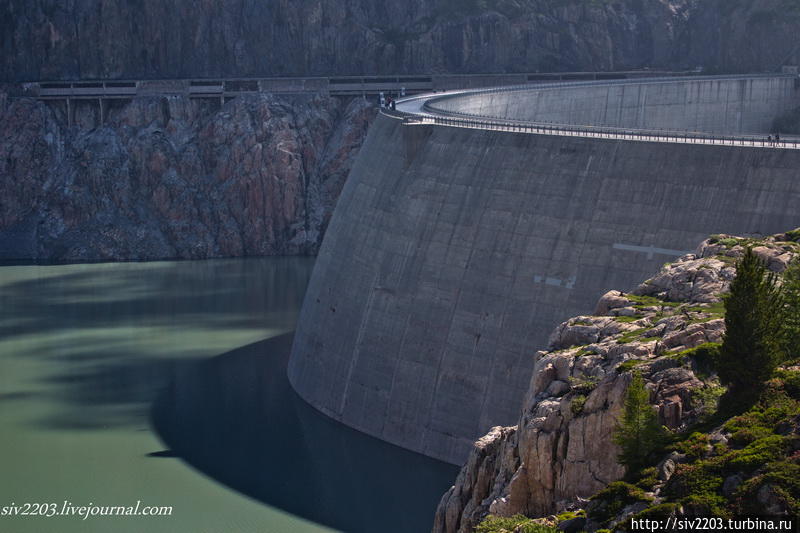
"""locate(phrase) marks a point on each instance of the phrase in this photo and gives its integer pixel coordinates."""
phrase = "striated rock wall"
(47, 39)
(562, 451)
(117, 38)
(169, 177)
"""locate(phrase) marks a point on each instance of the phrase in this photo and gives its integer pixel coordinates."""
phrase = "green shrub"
(577, 403)
(703, 477)
(647, 478)
(748, 435)
(790, 380)
(793, 235)
(783, 476)
(757, 454)
(583, 385)
(662, 510)
(706, 504)
(704, 357)
(706, 400)
(694, 446)
(608, 503)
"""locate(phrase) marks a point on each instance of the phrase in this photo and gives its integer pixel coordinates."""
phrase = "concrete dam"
(473, 223)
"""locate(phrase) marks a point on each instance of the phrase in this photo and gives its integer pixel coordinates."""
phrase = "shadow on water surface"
(236, 418)
(221, 293)
(109, 347)
(111, 335)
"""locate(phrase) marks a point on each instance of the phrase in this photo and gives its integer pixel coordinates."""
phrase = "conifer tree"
(638, 433)
(791, 291)
(754, 329)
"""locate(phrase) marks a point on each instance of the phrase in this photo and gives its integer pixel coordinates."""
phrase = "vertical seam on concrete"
(357, 345)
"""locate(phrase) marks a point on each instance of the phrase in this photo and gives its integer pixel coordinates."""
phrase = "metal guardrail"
(444, 117)
(671, 136)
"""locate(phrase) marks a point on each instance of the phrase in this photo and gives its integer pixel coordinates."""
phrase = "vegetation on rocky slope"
(720, 457)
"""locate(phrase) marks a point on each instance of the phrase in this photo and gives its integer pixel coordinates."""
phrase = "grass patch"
(585, 351)
(717, 308)
(608, 503)
(569, 515)
(631, 335)
(628, 319)
(583, 385)
(647, 478)
(514, 524)
(629, 365)
(694, 446)
(649, 301)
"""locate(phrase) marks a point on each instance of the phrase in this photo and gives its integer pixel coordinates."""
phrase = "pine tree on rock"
(754, 329)
(791, 288)
(638, 433)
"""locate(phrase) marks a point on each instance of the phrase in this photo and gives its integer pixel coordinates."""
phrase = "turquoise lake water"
(164, 383)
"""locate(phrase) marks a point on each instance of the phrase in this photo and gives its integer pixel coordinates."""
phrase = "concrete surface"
(454, 252)
(735, 105)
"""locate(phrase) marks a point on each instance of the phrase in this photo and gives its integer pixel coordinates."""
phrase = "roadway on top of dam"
(421, 109)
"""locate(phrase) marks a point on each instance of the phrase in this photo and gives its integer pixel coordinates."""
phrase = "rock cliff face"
(562, 451)
(168, 177)
(46, 39)
(740, 35)
(116, 38)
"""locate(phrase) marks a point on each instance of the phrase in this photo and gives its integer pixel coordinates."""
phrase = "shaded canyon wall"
(69, 39)
(170, 177)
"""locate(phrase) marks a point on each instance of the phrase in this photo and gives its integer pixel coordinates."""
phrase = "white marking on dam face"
(556, 282)
(651, 251)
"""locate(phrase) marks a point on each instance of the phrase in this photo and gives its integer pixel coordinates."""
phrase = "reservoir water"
(165, 383)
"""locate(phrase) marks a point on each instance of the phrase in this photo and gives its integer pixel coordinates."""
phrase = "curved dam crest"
(454, 252)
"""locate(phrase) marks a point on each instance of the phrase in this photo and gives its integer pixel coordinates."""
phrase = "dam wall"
(454, 252)
(734, 105)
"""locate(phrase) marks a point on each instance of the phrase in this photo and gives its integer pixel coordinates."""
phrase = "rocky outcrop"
(169, 177)
(562, 450)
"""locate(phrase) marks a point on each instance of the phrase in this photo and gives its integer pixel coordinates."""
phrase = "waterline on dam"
(165, 382)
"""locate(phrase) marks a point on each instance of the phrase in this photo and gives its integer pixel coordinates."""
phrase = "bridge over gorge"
(105, 93)
(473, 222)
